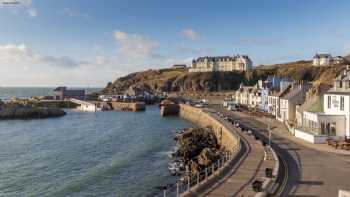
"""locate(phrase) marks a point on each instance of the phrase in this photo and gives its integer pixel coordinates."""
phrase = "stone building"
(221, 63)
(62, 93)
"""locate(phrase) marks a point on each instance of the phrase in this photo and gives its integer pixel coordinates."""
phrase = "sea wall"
(130, 106)
(169, 109)
(203, 119)
(56, 104)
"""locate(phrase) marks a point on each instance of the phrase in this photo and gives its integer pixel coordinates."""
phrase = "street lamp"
(270, 133)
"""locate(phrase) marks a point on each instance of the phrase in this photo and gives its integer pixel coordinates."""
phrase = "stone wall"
(132, 106)
(169, 109)
(197, 116)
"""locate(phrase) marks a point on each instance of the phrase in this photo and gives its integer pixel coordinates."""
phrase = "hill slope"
(167, 80)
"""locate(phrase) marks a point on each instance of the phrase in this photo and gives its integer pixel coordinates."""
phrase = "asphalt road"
(310, 172)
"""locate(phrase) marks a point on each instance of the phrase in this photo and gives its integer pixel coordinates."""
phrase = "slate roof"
(221, 58)
(322, 55)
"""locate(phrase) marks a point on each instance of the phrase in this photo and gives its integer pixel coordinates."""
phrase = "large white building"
(221, 63)
(322, 59)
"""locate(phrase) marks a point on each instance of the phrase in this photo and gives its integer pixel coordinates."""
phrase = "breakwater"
(56, 104)
(169, 109)
(128, 106)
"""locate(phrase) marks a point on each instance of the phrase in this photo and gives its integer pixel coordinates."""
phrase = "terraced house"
(289, 102)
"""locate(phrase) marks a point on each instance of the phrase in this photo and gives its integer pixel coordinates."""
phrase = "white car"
(199, 105)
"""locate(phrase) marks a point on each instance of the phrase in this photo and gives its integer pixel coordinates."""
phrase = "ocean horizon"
(27, 92)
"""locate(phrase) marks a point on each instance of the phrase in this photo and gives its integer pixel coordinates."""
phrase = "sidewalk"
(252, 168)
(278, 128)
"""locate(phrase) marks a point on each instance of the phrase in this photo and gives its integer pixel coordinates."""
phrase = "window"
(329, 102)
(342, 103)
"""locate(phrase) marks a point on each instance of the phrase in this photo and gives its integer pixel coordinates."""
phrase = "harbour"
(102, 154)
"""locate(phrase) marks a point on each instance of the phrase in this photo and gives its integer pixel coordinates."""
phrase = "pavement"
(252, 168)
(311, 170)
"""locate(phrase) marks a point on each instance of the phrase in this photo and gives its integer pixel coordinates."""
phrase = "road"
(310, 172)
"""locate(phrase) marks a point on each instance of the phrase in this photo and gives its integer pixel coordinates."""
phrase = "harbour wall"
(56, 104)
(129, 106)
(169, 109)
(203, 118)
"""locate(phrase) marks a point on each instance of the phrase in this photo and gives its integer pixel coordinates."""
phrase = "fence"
(185, 184)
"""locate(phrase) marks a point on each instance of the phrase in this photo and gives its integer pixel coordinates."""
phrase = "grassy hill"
(167, 80)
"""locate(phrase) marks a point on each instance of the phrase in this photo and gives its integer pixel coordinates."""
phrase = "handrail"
(185, 185)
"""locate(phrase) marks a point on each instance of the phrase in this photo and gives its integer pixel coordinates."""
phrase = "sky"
(84, 43)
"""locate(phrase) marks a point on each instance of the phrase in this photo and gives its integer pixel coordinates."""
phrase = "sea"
(27, 92)
(113, 153)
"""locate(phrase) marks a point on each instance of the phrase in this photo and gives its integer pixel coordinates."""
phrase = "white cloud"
(21, 66)
(190, 34)
(21, 54)
(135, 45)
(19, 6)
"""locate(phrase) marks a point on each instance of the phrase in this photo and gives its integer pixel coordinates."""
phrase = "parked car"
(199, 105)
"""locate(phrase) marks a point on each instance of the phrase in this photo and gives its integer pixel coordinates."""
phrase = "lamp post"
(270, 133)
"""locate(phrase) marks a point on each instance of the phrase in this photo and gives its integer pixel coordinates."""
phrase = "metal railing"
(187, 182)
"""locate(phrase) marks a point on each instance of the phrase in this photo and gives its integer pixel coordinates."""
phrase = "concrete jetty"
(84, 105)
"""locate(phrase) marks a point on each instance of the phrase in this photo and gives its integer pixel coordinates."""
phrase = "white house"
(273, 103)
(254, 98)
(334, 120)
(242, 95)
(322, 59)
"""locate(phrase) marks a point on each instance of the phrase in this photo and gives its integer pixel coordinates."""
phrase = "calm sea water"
(87, 154)
(19, 92)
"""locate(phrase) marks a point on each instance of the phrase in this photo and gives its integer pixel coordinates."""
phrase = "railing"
(184, 185)
(311, 130)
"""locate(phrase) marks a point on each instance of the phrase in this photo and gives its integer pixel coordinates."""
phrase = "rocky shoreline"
(12, 111)
(197, 149)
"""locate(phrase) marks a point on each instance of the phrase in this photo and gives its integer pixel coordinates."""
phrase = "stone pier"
(128, 106)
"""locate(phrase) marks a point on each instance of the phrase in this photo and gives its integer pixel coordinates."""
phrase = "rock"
(198, 148)
(19, 111)
(207, 157)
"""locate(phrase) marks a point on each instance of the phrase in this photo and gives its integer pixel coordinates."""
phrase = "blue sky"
(91, 42)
